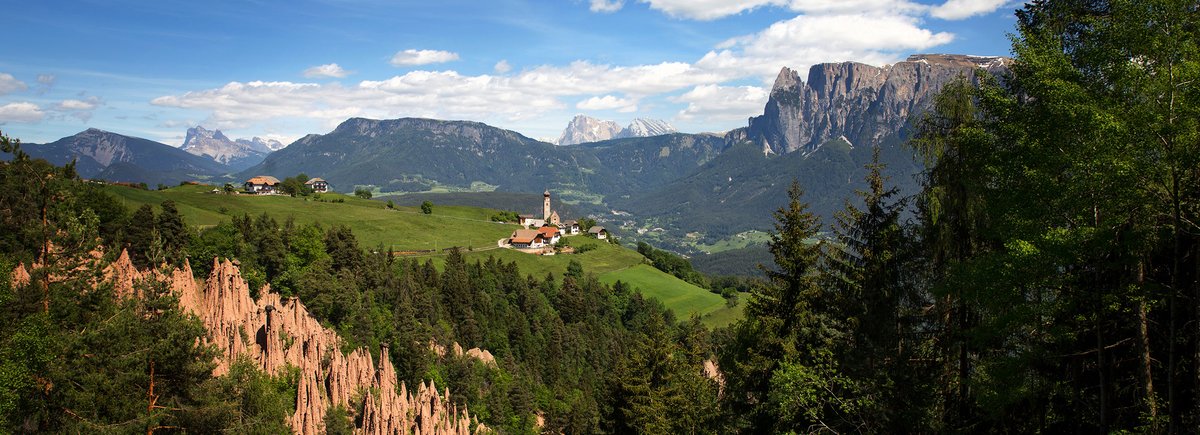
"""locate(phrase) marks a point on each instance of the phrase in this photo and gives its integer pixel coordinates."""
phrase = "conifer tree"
(140, 235)
(174, 233)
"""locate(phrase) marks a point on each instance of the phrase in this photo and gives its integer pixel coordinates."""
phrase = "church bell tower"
(546, 205)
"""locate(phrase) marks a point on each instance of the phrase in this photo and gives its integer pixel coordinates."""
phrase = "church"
(549, 216)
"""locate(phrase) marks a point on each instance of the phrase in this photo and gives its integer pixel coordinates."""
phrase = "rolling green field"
(406, 228)
(403, 228)
(681, 297)
(736, 241)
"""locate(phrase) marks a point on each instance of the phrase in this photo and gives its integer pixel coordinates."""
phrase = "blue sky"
(285, 69)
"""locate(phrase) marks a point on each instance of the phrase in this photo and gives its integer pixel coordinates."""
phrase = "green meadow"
(407, 229)
(682, 297)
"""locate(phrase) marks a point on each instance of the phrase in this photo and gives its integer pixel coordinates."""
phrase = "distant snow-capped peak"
(584, 129)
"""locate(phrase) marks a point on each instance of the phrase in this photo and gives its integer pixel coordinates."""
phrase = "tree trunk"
(1144, 348)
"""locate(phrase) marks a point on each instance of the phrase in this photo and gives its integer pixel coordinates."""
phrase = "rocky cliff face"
(215, 145)
(584, 129)
(642, 127)
(861, 103)
(261, 145)
(275, 332)
(115, 157)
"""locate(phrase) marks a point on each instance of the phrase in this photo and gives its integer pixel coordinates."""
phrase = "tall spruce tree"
(173, 232)
(780, 323)
(869, 287)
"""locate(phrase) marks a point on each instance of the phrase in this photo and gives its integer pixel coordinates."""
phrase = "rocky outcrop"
(713, 372)
(642, 127)
(215, 145)
(480, 354)
(104, 155)
(20, 277)
(583, 129)
(261, 145)
(275, 332)
(859, 103)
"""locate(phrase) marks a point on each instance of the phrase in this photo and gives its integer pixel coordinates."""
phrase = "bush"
(505, 216)
(362, 193)
(427, 207)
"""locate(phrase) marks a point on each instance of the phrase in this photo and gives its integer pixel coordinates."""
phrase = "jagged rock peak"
(642, 127)
(787, 79)
(199, 132)
(583, 128)
(262, 145)
(215, 145)
(962, 60)
(276, 332)
(282, 332)
(865, 104)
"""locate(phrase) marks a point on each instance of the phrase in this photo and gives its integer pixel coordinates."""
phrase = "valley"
(676, 190)
(600, 217)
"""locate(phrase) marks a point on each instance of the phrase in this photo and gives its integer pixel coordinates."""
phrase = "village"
(541, 236)
(538, 236)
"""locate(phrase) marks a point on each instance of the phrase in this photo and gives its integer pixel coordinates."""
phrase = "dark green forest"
(1044, 279)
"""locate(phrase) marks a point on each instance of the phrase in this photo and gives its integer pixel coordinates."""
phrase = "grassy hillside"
(681, 297)
(406, 228)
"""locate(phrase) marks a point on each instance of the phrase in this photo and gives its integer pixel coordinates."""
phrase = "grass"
(605, 257)
(685, 299)
(736, 241)
(406, 228)
(403, 228)
(725, 316)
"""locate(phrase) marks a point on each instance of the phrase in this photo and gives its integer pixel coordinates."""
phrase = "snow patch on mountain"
(583, 129)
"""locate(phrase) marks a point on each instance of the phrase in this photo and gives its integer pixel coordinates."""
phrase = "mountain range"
(110, 156)
(415, 154)
(583, 129)
(698, 188)
(238, 155)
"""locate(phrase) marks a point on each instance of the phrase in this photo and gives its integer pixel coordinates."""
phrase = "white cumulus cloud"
(606, 6)
(327, 70)
(809, 39)
(705, 9)
(77, 105)
(23, 112)
(959, 9)
(10, 84)
(422, 57)
(715, 103)
(537, 95)
(502, 67)
(608, 102)
(79, 109)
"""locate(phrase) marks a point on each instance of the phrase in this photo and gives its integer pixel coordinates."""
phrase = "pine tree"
(780, 324)
(174, 233)
(869, 288)
(140, 235)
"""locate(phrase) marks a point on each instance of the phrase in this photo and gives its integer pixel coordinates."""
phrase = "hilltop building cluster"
(268, 185)
(539, 235)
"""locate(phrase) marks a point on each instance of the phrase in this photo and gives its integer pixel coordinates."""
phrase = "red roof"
(548, 231)
(263, 179)
(524, 236)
